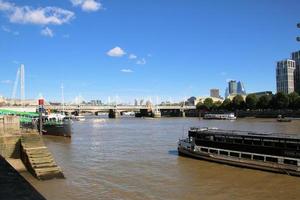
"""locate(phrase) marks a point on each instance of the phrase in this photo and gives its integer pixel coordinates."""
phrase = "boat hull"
(238, 162)
(58, 129)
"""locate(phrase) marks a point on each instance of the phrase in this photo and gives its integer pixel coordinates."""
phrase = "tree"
(216, 105)
(238, 102)
(297, 103)
(208, 103)
(280, 101)
(226, 104)
(251, 101)
(264, 102)
(292, 100)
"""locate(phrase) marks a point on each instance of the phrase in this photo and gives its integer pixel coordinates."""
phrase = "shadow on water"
(173, 152)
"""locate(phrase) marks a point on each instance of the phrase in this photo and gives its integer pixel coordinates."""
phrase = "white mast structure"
(14, 92)
(63, 98)
(22, 71)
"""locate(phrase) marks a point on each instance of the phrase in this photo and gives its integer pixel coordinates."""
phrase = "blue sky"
(133, 48)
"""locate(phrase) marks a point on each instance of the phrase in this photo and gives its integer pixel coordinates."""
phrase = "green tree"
(208, 103)
(292, 100)
(297, 103)
(264, 102)
(226, 104)
(280, 101)
(216, 105)
(251, 101)
(238, 102)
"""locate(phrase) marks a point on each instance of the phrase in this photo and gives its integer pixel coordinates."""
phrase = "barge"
(228, 116)
(264, 151)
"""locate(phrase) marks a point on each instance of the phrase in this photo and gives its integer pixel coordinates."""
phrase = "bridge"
(113, 110)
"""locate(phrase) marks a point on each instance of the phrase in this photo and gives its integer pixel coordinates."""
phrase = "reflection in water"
(137, 159)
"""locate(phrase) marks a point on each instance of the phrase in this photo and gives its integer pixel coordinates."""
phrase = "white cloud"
(47, 32)
(87, 5)
(116, 52)
(6, 81)
(132, 56)
(126, 70)
(66, 36)
(141, 62)
(41, 16)
(5, 29)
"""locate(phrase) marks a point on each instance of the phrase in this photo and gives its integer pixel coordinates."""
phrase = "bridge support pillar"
(156, 114)
(113, 113)
(182, 113)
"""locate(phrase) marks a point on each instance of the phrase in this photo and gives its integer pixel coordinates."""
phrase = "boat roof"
(11, 112)
(251, 134)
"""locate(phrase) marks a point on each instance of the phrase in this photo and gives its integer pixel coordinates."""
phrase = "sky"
(158, 49)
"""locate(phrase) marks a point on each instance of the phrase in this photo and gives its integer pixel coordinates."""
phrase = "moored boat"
(265, 151)
(226, 116)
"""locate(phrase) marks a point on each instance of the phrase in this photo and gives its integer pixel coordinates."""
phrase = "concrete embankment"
(23, 150)
(14, 186)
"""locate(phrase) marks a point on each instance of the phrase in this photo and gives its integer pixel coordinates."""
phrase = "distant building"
(259, 94)
(231, 96)
(240, 88)
(215, 93)
(285, 72)
(232, 87)
(226, 92)
(136, 102)
(202, 99)
(95, 102)
(191, 101)
(296, 58)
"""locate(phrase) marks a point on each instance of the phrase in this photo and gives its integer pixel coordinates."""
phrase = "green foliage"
(251, 101)
(264, 102)
(292, 100)
(280, 101)
(226, 104)
(297, 103)
(238, 102)
(208, 103)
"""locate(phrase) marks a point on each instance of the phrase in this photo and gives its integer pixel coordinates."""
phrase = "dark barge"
(265, 151)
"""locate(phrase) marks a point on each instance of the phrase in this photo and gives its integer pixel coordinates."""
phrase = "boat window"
(290, 162)
(247, 156)
(257, 142)
(247, 141)
(224, 153)
(234, 154)
(272, 159)
(204, 149)
(291, 145)
(257, 157)
(213, 151)
(239, 141)
(269, 144)
(279, 144)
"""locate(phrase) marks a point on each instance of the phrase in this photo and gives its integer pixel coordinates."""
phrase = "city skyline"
(93, 51)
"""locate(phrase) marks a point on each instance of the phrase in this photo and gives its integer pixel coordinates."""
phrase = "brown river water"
(131, 158)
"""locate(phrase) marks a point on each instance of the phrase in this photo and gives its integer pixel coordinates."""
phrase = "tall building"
(241, 88)
(232, 87)
(226, 92)
(296, 58)
(215, 93)
(285, 72)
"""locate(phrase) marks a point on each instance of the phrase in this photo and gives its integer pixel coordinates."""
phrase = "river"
(134, 158)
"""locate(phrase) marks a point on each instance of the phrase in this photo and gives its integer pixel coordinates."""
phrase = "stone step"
(40, 159)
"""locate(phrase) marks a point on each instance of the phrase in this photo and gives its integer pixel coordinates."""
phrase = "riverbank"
(13, 185)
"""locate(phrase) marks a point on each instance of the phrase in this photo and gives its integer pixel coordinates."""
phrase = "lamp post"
(298, 38)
